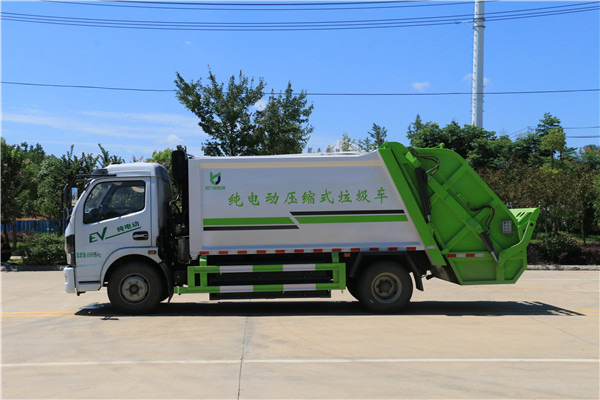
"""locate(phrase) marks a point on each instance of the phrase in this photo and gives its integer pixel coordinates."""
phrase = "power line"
(308, 93)
(85, 87)
(225, 6)
(299, 25)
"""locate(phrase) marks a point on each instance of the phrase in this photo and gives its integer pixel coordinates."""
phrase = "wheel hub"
(134, 289)
(386, 287)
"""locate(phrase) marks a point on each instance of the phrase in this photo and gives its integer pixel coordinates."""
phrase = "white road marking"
(303, 361)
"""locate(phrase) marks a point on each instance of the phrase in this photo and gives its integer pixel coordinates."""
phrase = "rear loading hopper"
(470, 234)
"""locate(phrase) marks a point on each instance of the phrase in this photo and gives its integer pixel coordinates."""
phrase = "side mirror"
(66, 195)
(74, 196)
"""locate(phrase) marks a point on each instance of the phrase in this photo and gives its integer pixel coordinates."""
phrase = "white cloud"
(261, 104)
(421, 86)
(131, 125)
(133, 133)
(173, 140)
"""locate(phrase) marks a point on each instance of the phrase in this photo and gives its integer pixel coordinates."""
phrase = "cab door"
(116, 214)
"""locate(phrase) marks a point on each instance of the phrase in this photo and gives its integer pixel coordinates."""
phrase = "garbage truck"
(291, 226)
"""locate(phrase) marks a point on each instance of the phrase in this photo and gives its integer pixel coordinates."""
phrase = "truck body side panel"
(296, 203)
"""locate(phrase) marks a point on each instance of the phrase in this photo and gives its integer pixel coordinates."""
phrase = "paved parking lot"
(536, 339)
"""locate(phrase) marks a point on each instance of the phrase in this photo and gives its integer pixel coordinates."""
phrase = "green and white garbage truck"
(291, 226)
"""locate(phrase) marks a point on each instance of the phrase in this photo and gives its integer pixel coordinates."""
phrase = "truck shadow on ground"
(257, 308)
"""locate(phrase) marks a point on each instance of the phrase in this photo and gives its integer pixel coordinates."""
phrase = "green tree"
(55, 173)
(466, 141)
(234, 123)
(526, 149)
(343, 145)
(162, 157)
(590, 156)
(52, 178)
(226, 115)
(18, 184)
(490, 152)
(105, 158)
(583, 196)
(546, 124)
(377, 137)
(425, 135)
(415, 127)
(282, 127)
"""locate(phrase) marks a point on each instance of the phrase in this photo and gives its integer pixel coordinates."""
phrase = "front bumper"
(69, 279)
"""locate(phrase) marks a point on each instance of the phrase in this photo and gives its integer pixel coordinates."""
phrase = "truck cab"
(118, 219)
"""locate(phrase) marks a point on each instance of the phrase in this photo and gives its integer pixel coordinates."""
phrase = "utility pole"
(477, 99)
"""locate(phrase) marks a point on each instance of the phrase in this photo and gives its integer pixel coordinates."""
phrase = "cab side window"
(114, 199)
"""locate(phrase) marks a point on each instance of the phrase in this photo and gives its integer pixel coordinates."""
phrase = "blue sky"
(556, 52)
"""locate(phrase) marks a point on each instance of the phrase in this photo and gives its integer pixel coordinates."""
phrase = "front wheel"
(385, 287)
(135, 288)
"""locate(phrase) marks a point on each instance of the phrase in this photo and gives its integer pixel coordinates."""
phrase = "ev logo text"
(94, 236)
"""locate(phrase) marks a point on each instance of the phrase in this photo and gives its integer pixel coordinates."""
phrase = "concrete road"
(535, 339)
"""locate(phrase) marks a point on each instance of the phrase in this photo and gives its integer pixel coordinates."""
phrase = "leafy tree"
(235, 125)
(546, 124)
(105, 158)
(415, 127)
(282, 127)
(343, 145)
(35, 154)
(226, 116)
(161, 157)
(555, 142)
(52, 178)
(590, 157)
(18, 184)
(56, 172)
(490, 152)
(377, 137)
(527, 149)
(583, 194)
(425, 135)
(164, 158)
(465, 141)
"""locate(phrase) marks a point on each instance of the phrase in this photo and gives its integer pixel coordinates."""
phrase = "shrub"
(560, 247)
(589, 254)
(43, 249)
(535, 254)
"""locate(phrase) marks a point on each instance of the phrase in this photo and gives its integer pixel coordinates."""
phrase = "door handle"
(142, 235)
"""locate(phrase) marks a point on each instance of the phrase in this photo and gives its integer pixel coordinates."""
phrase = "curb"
(563, 267)
(26, 268)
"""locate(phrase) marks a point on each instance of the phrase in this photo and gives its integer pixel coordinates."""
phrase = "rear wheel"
(385, 287)
(135, 288)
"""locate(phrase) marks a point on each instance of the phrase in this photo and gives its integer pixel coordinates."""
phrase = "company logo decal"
(215, 180)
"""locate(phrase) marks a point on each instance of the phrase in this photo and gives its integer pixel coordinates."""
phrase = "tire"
(135, 288)
(385, 287)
